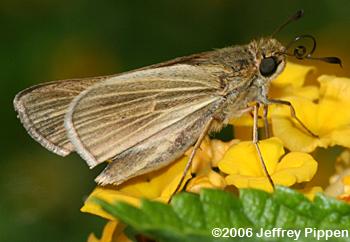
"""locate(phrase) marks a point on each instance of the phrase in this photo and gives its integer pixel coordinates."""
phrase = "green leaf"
(191, 217)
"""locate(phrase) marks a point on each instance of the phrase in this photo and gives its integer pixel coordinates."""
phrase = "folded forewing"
(159, 150)
(120, 112)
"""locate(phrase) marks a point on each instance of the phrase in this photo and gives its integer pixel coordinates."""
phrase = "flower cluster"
(290, 155)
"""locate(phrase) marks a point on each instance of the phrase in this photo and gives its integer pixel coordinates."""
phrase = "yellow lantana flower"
(207, 157)
(242, 164)
(158, 185)
(328, 117)
(112, 232)
(339, 183)
(291, 82)
(293, 75)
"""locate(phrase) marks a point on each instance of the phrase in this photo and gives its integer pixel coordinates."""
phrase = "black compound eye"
(268, 66)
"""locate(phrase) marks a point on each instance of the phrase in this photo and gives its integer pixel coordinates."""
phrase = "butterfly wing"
(147, 116)
(42, 108)
(160, 149)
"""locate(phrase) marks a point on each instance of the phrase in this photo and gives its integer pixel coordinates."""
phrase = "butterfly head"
(269, 57)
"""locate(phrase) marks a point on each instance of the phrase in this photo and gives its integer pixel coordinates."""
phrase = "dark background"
(41, 193)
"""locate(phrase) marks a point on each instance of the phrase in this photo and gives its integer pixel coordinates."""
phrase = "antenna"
(297, 15)
(301, 52)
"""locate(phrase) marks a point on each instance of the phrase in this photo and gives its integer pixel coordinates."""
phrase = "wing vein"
(147, 124)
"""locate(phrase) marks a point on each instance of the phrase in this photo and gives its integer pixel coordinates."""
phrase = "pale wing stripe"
(142, 108)
(74, 92)
(190, 93)
(135, 123)
(48, 107)
(35, 103)
(130, 120)
(63, 142)
(170, 103)
(111, 111)
(107, 110)
(50, 126)
(45, 116)
(108, 127)
(59, 134)
(109, 151)
(103, 120)
(146, 83)
(90, 108)
(138, 79)
(151, 91)
(120, 99)
(147, 130)
(42, 117)
(47, 104)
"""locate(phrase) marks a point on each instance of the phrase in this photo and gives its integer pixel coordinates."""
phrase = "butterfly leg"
(264, 118)
(193, 153)
(256, 144)
(266, 121)
(292, 113)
